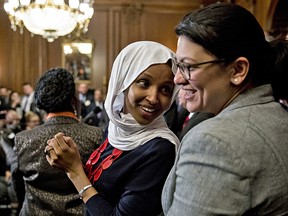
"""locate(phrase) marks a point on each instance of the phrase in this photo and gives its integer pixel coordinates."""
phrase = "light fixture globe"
(50, 18)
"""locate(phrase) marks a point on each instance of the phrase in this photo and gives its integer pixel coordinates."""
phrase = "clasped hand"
(62, 152)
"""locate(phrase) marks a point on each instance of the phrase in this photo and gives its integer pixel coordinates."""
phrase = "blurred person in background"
(32, 120)
(7, 142)
(97, 115)
(14, 102)
(86, 96)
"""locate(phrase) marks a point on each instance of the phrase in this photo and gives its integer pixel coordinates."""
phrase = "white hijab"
(124, 132)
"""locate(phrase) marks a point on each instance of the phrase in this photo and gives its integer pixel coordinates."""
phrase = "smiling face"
(209, 88)
(150, 94)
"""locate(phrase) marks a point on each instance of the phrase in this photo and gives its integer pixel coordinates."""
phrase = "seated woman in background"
(14, 102)
(129, 169)
(31, 120)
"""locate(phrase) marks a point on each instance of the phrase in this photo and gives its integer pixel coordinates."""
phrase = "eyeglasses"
(186, 68)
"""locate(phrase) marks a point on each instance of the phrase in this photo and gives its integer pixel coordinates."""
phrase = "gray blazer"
(235, 163)
(47, 190)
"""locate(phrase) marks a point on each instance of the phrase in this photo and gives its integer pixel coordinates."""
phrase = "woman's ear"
(240, 72)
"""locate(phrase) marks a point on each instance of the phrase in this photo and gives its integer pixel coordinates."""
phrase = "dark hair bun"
(55, 91)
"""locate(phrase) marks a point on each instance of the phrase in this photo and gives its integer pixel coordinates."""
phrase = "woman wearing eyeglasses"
(235, 163)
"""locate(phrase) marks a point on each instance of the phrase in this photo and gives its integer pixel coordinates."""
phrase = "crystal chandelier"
(50, 18)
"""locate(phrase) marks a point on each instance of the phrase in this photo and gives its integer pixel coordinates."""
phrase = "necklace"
(94, 174)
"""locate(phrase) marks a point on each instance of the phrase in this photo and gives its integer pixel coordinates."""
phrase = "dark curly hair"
(229, 31)
(55, 91)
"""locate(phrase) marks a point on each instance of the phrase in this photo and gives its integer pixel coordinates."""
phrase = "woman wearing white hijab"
(126, 174)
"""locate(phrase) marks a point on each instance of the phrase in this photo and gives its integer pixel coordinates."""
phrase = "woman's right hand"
(62, 152)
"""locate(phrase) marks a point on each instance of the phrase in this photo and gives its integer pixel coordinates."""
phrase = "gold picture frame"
(77, 58)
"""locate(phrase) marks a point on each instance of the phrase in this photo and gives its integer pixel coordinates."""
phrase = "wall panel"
(115, 24)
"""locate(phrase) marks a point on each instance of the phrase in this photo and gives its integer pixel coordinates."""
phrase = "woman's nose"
(152, 97)
(178, 78)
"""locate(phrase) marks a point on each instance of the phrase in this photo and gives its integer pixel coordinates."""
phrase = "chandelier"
(50, 18)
